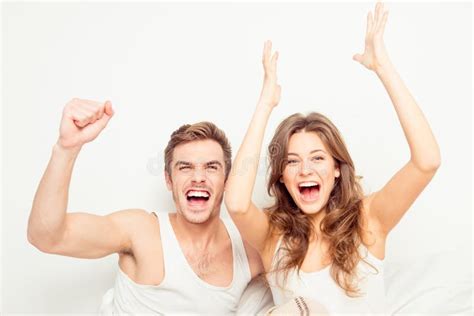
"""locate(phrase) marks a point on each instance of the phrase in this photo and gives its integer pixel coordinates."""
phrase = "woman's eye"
(318, 158)
(292, 161)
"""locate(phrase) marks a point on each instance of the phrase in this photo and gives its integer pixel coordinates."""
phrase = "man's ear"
(169, 183)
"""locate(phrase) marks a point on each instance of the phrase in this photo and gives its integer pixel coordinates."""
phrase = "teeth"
(197, 194)
(308, 184)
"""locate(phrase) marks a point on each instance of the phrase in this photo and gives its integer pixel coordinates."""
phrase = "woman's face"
(310, 172)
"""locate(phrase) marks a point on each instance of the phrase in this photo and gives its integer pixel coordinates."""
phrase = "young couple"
(320, 245)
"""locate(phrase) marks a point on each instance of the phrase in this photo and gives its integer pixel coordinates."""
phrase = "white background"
(164, 65)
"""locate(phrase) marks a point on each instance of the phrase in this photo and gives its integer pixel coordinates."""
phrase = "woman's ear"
(337, 173)
(281, 180)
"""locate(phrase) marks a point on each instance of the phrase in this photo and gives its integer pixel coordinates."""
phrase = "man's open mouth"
(197, 197)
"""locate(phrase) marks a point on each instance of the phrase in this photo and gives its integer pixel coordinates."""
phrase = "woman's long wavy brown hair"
(341, 225)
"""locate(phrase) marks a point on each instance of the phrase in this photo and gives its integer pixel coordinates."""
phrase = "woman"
(323, 239)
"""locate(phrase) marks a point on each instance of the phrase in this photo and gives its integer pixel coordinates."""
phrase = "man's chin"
(197, 216)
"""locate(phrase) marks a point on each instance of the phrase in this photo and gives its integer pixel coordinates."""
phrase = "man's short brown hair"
(198, 131)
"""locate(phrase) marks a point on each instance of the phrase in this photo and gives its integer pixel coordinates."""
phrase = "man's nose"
(199, 175)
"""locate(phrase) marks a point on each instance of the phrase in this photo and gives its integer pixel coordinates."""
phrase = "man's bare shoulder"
(132, 216)
(141, 226)
(135, 221)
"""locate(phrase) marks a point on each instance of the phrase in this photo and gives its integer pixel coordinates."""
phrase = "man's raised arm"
(50, 228)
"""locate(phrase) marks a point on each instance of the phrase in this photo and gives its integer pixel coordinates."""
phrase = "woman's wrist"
(384, 69)
(264, 106)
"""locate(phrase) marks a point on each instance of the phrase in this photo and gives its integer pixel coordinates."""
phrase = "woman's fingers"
(269, 59)
(378, 8)
(370, 24)
(376, 23)
(358, 58)
(267, 48)
(379, 16)
(274, 62)
(381, 28)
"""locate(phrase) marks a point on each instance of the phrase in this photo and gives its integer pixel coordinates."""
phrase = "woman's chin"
(310, 209)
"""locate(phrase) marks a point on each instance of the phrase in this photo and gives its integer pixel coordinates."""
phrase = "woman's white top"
(321, 287)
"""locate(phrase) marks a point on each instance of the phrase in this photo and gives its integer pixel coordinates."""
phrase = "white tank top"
(181, 291)
(321, 287)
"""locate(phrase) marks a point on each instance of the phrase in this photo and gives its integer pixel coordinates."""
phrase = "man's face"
(197, 179)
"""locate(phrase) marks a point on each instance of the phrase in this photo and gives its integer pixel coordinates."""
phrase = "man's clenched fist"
(82, 121)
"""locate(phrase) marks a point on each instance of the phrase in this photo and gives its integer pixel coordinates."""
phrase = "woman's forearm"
(239, 186)
(425, 153)
(241, 180)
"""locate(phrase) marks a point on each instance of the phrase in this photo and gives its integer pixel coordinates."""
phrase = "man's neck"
(200, 236)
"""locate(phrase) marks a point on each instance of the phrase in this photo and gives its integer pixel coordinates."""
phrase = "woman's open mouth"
(309, 191)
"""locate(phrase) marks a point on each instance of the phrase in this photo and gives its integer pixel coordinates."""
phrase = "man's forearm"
(50, 203)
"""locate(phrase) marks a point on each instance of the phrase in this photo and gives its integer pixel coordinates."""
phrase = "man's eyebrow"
(182, 163)
(214, 162)
(187, 163)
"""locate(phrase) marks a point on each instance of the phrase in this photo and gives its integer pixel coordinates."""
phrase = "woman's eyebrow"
(311, 152)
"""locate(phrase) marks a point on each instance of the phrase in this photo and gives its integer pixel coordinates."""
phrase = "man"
(188, 262)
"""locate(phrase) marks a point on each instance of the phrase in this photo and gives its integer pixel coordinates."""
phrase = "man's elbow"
(42, 241)
(38, 243)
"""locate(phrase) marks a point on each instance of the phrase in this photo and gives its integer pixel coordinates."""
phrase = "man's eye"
(184, 168)
(212, 167)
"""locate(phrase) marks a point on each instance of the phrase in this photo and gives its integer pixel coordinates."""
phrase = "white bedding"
(429, 284)
(439, 283)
